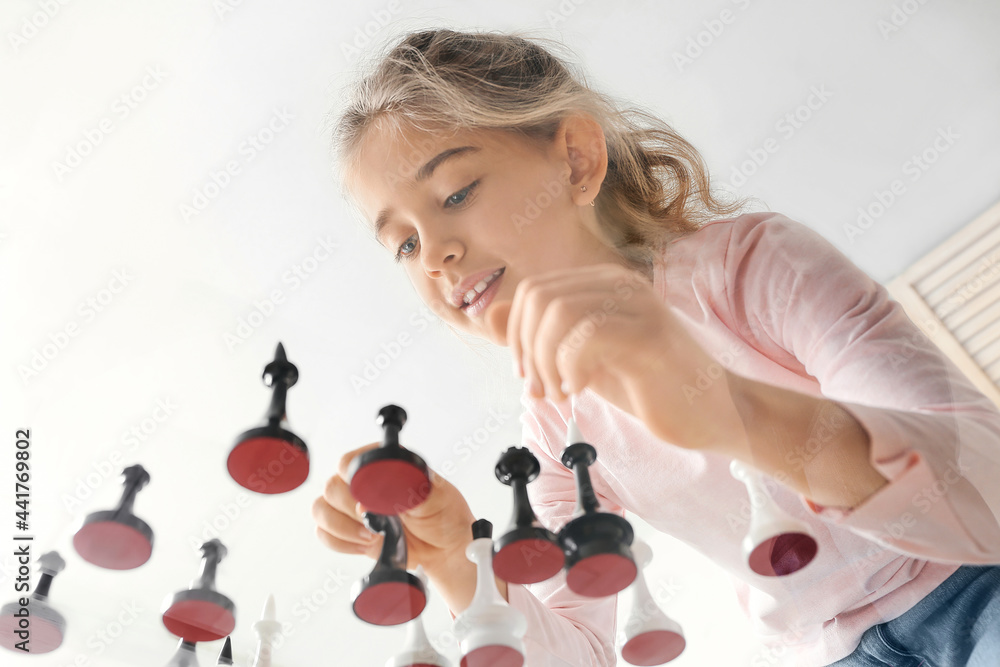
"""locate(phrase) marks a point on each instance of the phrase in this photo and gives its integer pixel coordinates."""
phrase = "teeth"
(480, 287)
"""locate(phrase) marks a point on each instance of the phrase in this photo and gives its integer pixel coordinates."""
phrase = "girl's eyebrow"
(423, 174)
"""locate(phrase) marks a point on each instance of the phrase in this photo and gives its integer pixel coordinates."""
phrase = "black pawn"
(389, 595)
(186, 656)
(528, 552)
(46, 626)
(389, 479)
(226, 657)
(598, 559)
(117, 539)
(270, 458)
(200, 613)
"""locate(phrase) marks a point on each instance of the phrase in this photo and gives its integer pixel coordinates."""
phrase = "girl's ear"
(580, 142)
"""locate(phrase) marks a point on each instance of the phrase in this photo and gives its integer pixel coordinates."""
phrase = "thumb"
(444, 497)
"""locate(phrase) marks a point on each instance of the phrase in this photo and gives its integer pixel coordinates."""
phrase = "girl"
(531, 211)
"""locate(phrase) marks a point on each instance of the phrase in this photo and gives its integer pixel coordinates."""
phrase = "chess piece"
(598, 559)
(528, 552)
(270, 458)
(651, 637)
(389, 595)
(389, 479)
(418, 651)
(35, 627)
(489, 631)
(117, 539)
(776, 545)
(185, 656)
(200, 613)
(226, 656)
(267, 630)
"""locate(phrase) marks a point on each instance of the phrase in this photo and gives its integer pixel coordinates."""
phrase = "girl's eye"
(407, 248)
(459, 197)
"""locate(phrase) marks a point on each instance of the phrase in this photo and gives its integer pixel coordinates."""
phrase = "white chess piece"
(490, 630)
(418, 649)
(267, 630)
(776, 544)
(651, 637)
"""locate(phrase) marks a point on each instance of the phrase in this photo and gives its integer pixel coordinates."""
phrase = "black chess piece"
(200, 613)
(186, 655)
(226, 656)
(35, 627)
(271, 458)
(389, 479)
(528, 552)
(598, 559)
(117, 539)
(389, 595)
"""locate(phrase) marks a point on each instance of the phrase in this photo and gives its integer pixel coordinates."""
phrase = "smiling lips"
(473, 294)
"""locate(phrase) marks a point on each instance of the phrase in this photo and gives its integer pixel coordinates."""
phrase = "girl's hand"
(437, 530)
(604, 327)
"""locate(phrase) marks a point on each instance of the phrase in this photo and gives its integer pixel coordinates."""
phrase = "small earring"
(583, 188)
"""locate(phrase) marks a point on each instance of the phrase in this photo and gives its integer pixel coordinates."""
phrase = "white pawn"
(267, 630)
(776, 544)
(489, 631)
(185, 656)
(651, 637)
(418, 651)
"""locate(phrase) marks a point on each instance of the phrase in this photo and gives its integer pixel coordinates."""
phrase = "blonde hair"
(657, 186)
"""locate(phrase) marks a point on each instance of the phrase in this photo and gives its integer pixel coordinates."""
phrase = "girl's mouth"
(480, 296)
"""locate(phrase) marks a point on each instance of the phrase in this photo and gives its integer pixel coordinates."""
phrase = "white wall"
(198, 79)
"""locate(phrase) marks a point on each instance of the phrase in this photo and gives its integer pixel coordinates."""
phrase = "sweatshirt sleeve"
(932, 434)
(564, 629)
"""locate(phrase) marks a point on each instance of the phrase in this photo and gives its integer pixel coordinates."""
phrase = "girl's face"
(470, 214)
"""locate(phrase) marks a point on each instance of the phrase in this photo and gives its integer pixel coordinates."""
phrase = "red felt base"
(601, 575)
(493, 656)
(199, 621)
(390, 486)
(653, 648)
(783, 554)
(528, 561)
(112, 545)
(268, 465)
(45, 637)
(390, 603)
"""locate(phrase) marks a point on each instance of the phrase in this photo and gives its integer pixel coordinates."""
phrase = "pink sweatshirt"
(772, 300)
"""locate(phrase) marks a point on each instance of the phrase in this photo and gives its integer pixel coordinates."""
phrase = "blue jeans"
(956, 625)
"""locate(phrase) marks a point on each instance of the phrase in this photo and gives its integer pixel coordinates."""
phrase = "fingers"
(345, 460)
(565, 308)
(338, 523)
